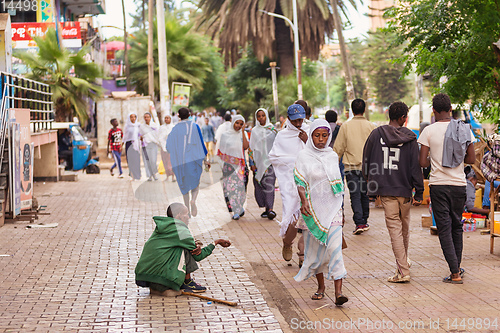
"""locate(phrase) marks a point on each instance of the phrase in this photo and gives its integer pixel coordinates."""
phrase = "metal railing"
(21, 93)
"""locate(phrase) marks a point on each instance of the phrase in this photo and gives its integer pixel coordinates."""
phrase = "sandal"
(448, 279)
(341, 299)
(318, 296)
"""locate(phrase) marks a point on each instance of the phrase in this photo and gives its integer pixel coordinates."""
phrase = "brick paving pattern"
(79, 277)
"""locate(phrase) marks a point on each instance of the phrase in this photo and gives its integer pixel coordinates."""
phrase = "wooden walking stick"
(210, 298)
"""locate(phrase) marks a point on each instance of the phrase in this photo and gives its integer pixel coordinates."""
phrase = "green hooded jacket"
(162, 259)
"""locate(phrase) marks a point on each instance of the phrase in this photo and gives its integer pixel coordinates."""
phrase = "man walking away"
(187, 153)
(390, 166)
(349, 146)
(450, 144)
(208, 133)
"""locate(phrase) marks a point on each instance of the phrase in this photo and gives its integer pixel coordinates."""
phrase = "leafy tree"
(249, 87)
(191, 58)
(384, 73)
(70, 76)
(238, 24)
(453, 40)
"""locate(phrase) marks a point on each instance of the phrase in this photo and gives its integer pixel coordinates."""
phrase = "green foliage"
(249, 87)
(384, 72)
(453, 39)
(191, 59)
(70, 75)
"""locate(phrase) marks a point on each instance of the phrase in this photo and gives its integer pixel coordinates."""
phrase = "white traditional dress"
(317, 171)
(286, 148)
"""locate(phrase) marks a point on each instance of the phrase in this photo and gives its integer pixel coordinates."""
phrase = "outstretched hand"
(223, 242)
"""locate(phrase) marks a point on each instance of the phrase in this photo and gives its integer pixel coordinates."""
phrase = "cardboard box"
(426, 220)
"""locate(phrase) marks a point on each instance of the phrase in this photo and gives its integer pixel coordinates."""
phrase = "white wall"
(109, 108)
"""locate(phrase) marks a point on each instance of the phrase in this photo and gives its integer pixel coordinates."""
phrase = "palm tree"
(187, 54)
(70, 75)
(238, 23)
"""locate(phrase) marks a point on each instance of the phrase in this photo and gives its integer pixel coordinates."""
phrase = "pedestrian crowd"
(313, 161)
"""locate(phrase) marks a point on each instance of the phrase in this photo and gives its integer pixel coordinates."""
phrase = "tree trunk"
(284, 45)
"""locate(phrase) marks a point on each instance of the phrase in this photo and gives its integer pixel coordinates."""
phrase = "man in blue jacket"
(391, 167)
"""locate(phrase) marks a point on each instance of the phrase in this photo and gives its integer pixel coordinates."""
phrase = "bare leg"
(300, 245)
(290, 235)
(321, 282)
(194, 195)
(186, 202)
(338, 287)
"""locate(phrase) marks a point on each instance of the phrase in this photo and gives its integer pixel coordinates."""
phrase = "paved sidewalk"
(79, 277)
(375, 305)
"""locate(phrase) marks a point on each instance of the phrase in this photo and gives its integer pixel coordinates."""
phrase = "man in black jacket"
(390, 165)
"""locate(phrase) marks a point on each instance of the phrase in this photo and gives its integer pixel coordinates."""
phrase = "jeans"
(447, 206)
(486, 195)
(360, 202)
(117, 156)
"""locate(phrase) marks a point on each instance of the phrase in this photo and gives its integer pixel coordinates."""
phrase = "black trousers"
(447, 206)
(264, 191)
(360, 202)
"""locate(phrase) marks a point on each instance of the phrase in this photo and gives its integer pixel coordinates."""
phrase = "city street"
(79, 275)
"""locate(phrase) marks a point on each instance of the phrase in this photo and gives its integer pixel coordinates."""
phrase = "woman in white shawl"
(132, 141)
(150, 143)
(264, 179)
(321, 189)
(164, 131)
(289, 142)
(233, 144)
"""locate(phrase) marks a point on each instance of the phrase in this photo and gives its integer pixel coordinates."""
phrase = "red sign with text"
(25, 31)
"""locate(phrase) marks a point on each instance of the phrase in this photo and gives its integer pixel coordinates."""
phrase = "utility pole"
(343, 52)
(127, 67)
(298, 60)
(162, 59)
(151, 73)
(275, 89)
(295, 28)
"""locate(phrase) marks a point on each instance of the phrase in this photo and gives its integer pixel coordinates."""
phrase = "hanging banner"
(181, 93)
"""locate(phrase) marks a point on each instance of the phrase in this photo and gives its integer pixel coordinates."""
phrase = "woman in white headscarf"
(320, 187)
(164, 131)
(261, 142)
(150, 143)
(233, 144)
(133, 146)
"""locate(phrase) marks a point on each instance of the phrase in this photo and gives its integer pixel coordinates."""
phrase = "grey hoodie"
(390, 163)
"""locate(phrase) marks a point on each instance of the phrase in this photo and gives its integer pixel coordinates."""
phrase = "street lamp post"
(295, 29)
(275, 89)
